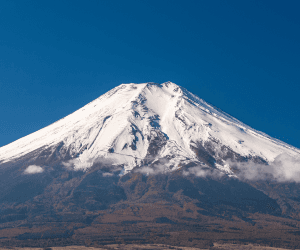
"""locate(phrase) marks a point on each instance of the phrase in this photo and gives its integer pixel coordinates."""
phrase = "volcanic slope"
(149, 163)
(136, 124)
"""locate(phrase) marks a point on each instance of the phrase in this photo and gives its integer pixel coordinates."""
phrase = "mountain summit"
(135, 125)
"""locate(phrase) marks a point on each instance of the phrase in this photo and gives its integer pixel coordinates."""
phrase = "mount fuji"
(137, 124)
(147, 153)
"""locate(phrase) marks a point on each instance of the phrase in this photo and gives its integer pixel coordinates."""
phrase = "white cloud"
(33, 169)
(283, 169)
(81, 164)
(158, 167)
(107, 174)
(201, 171)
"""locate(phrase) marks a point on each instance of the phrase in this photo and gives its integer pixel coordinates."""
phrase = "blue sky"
(241, 56)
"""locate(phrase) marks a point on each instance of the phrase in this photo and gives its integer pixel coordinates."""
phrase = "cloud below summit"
(33, 169)
(203, 172)
(283, 169)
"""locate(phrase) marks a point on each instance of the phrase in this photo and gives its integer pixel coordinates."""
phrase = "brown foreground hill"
(175, 210)
(155, 246)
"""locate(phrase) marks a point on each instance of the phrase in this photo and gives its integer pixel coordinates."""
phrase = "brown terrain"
(60, 208)
(216, 246)
(154, 212)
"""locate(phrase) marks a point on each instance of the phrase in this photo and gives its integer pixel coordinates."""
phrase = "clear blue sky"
(241, 56)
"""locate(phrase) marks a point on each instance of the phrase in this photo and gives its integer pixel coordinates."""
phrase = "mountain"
(136, 122)
(148, 155)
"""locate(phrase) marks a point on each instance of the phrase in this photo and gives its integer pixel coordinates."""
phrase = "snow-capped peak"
(134, 122)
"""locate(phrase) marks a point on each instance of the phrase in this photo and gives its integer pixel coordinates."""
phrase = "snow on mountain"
(134, 122)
